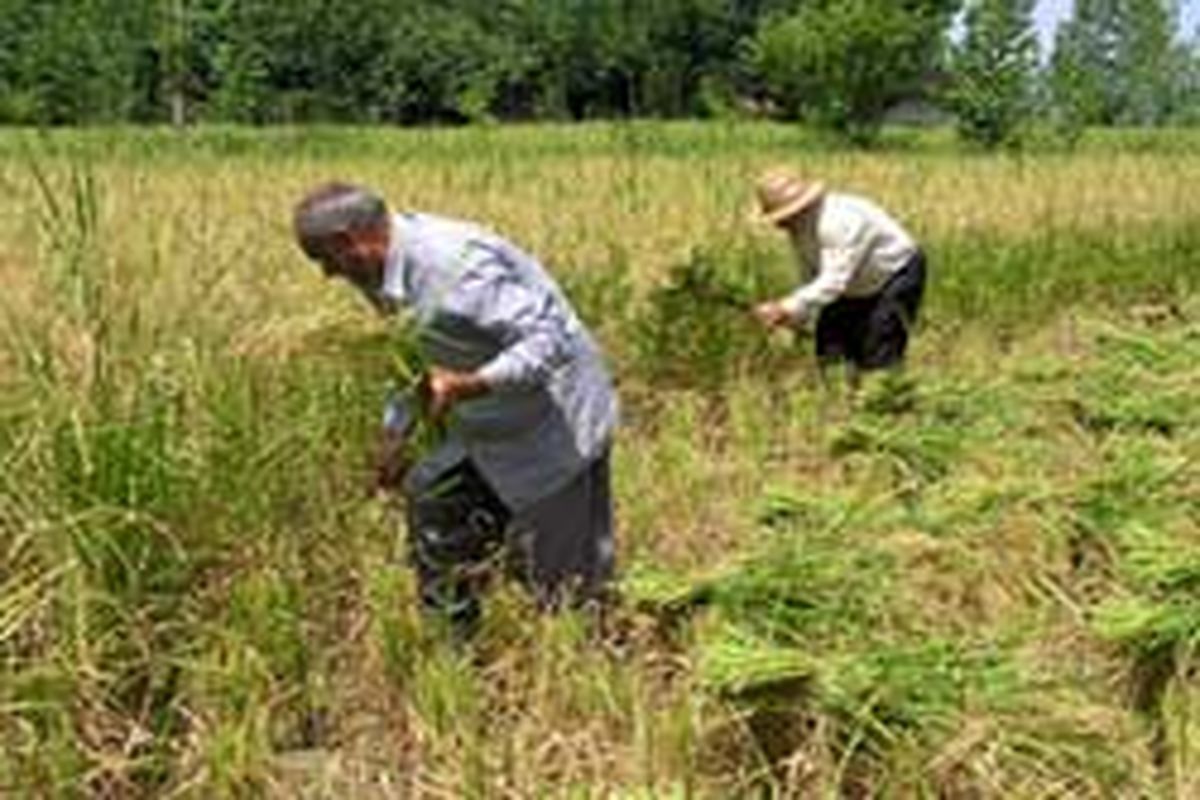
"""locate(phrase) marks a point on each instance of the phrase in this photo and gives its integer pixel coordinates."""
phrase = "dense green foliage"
(993, 71)
(374, 60)
(1115, 62)
(843, 64)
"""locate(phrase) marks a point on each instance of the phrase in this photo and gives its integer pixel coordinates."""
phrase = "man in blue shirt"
(528, 404)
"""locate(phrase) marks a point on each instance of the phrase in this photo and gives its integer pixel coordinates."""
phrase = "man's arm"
(838, 265)
(447, 387)
(529, 324)
(837, 270)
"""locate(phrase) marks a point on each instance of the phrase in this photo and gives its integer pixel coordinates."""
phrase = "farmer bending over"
(528, 404)
(865, 273)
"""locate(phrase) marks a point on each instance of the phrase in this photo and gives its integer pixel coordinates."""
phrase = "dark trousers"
(872, 332)
(460, 530)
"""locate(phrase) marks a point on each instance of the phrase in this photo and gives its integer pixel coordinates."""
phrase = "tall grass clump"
(698, 328)
(1013, 283)
(149, 478)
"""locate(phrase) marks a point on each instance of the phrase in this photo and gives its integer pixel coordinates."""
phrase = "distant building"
(918, 112)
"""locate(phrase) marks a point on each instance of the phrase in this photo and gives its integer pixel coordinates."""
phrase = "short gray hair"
(334, 208)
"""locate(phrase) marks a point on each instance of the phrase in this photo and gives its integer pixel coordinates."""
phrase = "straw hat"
(782, 194)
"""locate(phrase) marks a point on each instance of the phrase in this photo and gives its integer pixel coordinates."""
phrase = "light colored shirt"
(484, 305)
(860, 247)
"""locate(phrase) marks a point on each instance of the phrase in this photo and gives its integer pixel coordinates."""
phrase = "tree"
(1188, 107)
(307, 60)
(843, 63)
(172, 44)
(586, 58)
(1075, 94)
(992, 71)
(442, 65)
(1114, 63)
(1084, 76)
(1149, 58)
(72, 62)
(259, 61)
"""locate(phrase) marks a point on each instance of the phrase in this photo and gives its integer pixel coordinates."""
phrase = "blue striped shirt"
(484, 305)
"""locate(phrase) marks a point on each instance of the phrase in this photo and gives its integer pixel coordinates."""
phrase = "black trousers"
(460, 532)
(872, 332)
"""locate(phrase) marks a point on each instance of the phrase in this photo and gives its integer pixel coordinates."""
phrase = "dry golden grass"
(202, 214)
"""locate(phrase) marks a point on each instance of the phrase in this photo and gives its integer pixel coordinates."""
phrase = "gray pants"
(561, 547)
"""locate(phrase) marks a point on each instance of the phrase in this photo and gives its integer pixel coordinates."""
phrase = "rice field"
(977, 579)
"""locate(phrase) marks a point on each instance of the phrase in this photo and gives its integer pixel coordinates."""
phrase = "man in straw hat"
(866, 274)
(527, 403)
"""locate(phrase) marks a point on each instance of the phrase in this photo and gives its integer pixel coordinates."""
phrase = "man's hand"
(447, 387)
(772, 314)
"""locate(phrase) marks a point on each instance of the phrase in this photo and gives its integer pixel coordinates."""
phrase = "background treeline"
(842, 64)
